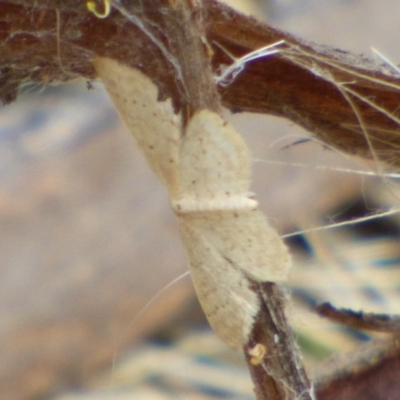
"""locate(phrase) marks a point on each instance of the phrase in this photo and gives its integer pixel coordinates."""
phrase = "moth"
(205, 165)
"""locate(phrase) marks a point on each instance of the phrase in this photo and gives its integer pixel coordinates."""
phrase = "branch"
(370, 371)
(342, 99)
(360, 320)
(272, 354)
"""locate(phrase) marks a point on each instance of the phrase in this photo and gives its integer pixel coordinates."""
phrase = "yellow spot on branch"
(91, 6)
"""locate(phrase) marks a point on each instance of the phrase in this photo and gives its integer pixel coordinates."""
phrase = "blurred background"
(88, 239)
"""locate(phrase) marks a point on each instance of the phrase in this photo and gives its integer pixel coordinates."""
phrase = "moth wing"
(246, 239)
(223, 291)
(214, 160)
(153, 123)
(214, 166)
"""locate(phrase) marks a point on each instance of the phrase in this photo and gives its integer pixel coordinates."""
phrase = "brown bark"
(360, 320)
(279, 373)
(54, 41)
(370, 372)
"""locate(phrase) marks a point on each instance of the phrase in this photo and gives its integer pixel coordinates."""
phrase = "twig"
(278, 373)
(360, 320)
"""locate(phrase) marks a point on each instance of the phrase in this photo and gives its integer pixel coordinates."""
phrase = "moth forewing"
(215, 176)
(153, 123)
(245, 238)
(224, 292)
(214, 160)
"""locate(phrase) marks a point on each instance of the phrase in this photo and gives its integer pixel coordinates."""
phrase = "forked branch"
(54, 41)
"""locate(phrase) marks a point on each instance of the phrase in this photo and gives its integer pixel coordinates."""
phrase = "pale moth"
(206, 169)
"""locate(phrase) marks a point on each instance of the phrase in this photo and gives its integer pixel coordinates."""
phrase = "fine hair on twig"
(322, 66)
(229, 73)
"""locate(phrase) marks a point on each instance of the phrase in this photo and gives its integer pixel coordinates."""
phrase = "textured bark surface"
(370, 372)
(279, 373)
(360, 320)
(54, 41)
